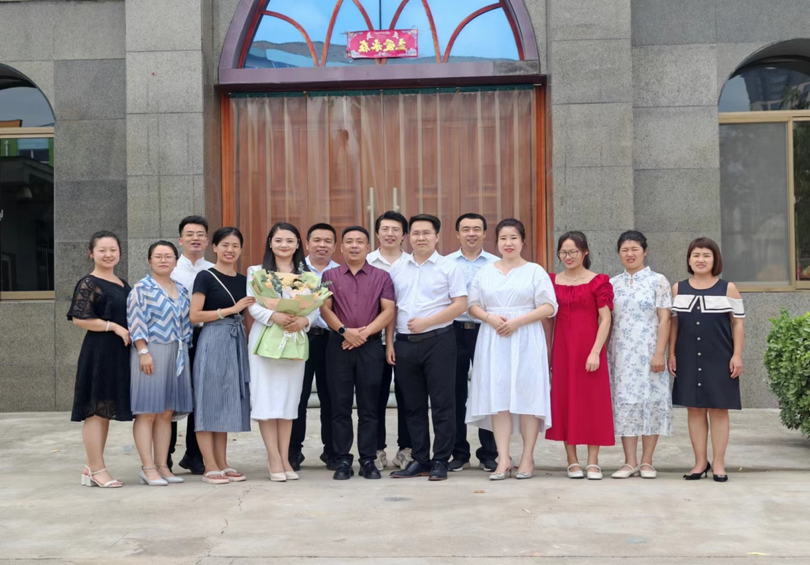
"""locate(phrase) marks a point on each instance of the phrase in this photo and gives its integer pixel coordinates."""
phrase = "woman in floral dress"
(642, 404)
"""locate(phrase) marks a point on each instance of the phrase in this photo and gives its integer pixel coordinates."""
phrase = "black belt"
(317, 331)
(416, 338)
(466, 325)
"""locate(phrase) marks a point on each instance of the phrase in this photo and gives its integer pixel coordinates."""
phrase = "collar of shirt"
(638, 275)
(376, 259)
(344, 269)
(332, 264)
(484, 257)
(200, 265)
(433, 259)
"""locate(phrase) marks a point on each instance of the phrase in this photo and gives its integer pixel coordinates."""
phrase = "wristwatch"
(143, 351)
(342, 330)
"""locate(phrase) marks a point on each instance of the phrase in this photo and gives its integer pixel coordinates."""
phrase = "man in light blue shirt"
(471, 230)
(321, 243)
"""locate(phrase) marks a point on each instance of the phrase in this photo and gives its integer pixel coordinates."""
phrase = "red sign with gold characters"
(380, 44)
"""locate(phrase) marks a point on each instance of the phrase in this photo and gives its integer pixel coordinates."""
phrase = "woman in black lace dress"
(103, 376)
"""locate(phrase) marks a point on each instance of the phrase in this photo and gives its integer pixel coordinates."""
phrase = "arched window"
(313, 33)
(26, 189)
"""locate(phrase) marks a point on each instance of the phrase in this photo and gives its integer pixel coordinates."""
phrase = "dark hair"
(394, 216)
(196, 220)
(706, 243)
(361, 229)
(580, 241)
(101, 235)
(511, 223)
(163, 243)
(471, 216)
(632, 235)
(298, 258)
(437, 223)
(224, 232)
(326, 227)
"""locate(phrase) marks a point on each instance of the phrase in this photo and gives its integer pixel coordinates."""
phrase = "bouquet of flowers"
(288, 293)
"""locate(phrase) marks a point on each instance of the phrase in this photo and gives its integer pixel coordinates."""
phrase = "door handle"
(395, 207)
(371, 216)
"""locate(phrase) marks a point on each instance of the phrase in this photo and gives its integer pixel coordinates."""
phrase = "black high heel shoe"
(719, 478)
(700, 475)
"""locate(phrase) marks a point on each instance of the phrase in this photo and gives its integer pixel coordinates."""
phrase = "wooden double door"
(346, 157)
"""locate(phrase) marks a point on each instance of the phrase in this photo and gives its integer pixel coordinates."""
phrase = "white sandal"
(238, 479)
(594, 475)
(575, 474)
(624, 473)
(89, 481)
(648, 474)
(208, 478)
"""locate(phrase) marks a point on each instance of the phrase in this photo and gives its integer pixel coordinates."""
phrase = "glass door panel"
(801, 199)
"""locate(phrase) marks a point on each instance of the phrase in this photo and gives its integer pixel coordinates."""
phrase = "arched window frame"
(27, 133)
(249, 13)
(789, 118)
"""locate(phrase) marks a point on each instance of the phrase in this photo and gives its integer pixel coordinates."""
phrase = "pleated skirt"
(164, 389)
(222, 378)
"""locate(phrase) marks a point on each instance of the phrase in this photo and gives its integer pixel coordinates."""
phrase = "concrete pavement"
(759, 516)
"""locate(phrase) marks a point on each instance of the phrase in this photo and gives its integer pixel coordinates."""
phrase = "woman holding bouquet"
(277, 383)
(221, 371)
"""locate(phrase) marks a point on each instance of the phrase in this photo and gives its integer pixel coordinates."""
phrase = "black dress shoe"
(295, 460)
(458, 465)
(488, 465)
(169, 462)
(344, 471)
(414, 469)
(370, 471)
(439, 471)
(196, 466)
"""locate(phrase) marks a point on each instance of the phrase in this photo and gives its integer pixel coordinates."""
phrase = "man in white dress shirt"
(431, 292)
(391, 228)
(193, 243)
(471, 230)
(321, 243)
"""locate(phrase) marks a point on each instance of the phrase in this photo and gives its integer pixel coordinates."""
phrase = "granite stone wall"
(74, 52)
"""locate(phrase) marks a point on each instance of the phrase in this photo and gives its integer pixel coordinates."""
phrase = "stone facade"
(634, 130)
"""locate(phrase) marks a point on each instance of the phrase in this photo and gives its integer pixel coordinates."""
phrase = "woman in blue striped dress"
(160, 390)
(221, 370)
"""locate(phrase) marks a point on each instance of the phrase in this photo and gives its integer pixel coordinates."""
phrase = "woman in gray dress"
(705, 354)
(159, 325)
(221, 370)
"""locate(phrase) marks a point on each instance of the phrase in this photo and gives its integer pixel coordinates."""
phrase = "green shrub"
(787, 361)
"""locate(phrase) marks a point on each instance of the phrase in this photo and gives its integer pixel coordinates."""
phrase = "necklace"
(573, 278)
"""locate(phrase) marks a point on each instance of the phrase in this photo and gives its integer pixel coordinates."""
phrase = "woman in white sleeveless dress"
(276, 384)
(510, 390)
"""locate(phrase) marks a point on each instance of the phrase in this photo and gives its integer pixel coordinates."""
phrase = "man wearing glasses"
(193, 243)
(430, 293)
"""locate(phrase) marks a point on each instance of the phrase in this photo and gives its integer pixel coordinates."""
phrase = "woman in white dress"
(276, 384)
(642, 405)
(510, 381)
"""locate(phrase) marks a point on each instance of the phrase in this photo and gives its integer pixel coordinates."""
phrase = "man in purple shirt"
(361, 306)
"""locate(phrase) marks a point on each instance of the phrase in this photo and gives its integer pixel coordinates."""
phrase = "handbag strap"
(223, 285)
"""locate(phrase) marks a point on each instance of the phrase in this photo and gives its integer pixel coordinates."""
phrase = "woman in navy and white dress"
(705, 354)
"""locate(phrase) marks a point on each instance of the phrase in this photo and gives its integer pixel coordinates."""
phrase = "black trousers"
(314, 367)
(192, 447)
(426, 371)
(465, 354)
(354, 373)
(403, 437)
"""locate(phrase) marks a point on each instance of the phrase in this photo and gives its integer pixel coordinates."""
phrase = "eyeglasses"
(572, 254)
(200, 234)
(418, 234)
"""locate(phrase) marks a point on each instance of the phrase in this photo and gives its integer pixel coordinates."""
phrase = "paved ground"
(759, 516)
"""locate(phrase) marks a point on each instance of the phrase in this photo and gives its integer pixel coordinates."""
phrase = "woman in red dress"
(581, 411)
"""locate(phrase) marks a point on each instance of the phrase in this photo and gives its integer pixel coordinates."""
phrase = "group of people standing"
(576, 355)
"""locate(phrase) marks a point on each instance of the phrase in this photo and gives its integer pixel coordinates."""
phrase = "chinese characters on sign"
(381, 44)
